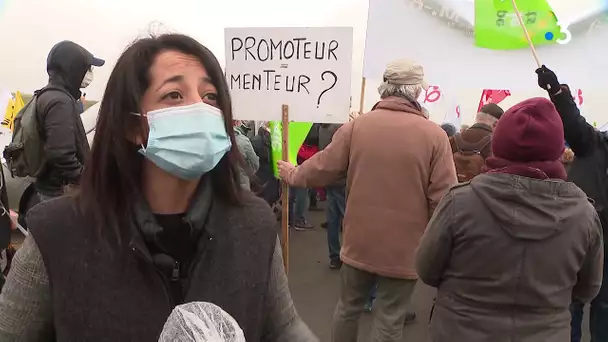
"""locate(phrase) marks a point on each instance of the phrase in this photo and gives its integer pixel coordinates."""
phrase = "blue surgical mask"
(186, 141)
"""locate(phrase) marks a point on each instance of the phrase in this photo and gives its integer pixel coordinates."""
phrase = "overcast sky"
(29, 28)
(105, 27)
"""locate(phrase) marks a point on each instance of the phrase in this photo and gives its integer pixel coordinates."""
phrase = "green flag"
(297, 134)
(497, 26)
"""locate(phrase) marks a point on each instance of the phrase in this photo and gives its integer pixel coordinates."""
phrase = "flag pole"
(362, 99)
(285, 187)
(526, 33)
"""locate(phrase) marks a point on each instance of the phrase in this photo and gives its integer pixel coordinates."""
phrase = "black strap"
(42, 90)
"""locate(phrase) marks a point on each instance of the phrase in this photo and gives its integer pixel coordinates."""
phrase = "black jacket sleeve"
(60, 140)
(582, 137)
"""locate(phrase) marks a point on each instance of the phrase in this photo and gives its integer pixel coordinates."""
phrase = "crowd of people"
(173, 204)
(487, 215)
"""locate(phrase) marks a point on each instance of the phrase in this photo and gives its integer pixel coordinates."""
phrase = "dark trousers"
(312, 194)
(336, 203)
(372, 295)
(298, 205)
(598, 319)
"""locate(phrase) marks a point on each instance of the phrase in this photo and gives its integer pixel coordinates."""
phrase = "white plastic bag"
(201, 322)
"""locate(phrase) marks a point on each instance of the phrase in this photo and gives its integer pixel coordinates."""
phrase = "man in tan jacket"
(398, 166)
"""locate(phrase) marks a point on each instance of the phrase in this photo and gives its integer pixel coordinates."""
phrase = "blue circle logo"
(549, 36)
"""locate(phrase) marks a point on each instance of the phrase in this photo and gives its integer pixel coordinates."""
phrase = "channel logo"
(563, 34)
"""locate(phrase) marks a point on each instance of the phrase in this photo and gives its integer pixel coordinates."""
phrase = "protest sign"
(287, 75)
(432, 99)
(453, 114)
(579, 99)
(308, 69)
(15, 104)
(577, 95)
(492, 96)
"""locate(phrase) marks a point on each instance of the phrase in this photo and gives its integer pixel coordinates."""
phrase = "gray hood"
(526, 208)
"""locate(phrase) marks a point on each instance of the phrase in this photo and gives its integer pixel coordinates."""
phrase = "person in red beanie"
(509, 250)
(529, 142)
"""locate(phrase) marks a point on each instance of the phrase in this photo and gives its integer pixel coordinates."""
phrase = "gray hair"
(486, 119)
(409, 92)
(426, 113)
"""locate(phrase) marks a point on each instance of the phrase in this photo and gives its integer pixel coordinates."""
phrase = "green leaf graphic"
(297, 134)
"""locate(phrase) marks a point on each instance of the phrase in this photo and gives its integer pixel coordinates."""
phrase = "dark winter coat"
(62, 131)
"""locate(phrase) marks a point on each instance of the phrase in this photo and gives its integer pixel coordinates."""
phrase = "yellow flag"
(19, 101)
(8, 115)
(17, 106)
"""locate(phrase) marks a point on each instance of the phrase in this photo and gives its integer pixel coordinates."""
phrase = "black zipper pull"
(175, 273)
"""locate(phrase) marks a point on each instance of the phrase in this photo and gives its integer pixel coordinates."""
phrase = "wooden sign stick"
(285, 190)
(362, 100)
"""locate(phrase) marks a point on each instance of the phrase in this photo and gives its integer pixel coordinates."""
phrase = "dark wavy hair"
(110, 182)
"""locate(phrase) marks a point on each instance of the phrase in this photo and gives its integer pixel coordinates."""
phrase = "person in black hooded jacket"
(589, 171)
(70, 68)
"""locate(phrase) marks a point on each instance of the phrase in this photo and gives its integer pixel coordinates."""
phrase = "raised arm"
(582, 137)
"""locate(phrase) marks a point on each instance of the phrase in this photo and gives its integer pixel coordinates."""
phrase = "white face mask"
(88, 78)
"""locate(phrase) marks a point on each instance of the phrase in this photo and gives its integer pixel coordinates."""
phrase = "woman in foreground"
(159, 220)
(511, 249)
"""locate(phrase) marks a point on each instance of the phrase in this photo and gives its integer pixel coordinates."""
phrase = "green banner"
(497, 26)
(297, 134)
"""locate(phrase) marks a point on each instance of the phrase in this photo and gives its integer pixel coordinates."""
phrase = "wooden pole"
(523, 26)
(362, 100)
(527, 34)
(285, 190)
